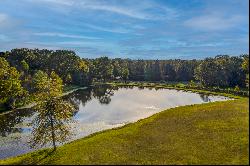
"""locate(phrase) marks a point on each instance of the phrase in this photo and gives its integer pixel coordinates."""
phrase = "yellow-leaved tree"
(50, 125)
(10, 84)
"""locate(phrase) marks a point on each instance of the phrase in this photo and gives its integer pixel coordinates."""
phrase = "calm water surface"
(98, 109)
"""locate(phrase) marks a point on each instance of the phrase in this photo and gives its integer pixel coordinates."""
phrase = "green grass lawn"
(213, 133)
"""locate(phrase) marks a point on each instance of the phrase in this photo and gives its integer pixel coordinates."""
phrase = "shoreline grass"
(211, 133)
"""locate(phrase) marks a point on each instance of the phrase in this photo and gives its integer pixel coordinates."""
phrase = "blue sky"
(136, 29)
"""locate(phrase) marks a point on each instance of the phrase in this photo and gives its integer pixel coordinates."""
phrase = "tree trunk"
(52, 131)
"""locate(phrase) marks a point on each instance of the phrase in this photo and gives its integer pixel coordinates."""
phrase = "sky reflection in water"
(98, 109)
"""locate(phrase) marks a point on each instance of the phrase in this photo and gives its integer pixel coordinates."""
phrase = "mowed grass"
(213, 133)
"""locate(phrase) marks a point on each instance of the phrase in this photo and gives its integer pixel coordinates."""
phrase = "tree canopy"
(10, 84)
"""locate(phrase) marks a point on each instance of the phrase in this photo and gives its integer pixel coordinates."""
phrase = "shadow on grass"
(38, 158)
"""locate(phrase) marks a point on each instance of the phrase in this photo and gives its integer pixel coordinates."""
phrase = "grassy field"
(213, 133)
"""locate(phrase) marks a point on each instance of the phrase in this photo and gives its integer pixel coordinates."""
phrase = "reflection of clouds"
(126, 106)
(134, 104)
(217, 98)
(84, 129)
(152, 108)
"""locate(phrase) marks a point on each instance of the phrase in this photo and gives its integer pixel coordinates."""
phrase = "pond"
(98, 108)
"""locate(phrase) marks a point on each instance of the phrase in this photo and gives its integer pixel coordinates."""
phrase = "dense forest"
(21, 70)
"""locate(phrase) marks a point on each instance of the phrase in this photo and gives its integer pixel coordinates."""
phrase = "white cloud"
(117, 10)
(7, 22)
(214, 22)
(10, 45)
(52, 34)
(133, 10)
(113, 30)
(75, 43)
(57, 2)
(3, 18)
(126, 8)
(3, 37)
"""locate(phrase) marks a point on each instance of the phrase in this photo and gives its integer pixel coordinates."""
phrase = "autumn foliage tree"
(53, 112)
(222, 71)
(10, 85)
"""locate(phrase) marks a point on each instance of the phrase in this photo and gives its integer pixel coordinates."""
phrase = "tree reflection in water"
(9, 121)
(51, 122)
(79, 97)
(204, 97)
(104, 93)
(91, 104)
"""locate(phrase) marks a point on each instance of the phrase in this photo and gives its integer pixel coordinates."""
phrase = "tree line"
(39, 75)
(21, 69)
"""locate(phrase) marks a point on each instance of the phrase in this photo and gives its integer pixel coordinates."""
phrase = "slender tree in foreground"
(53, 112)
(50, 123)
